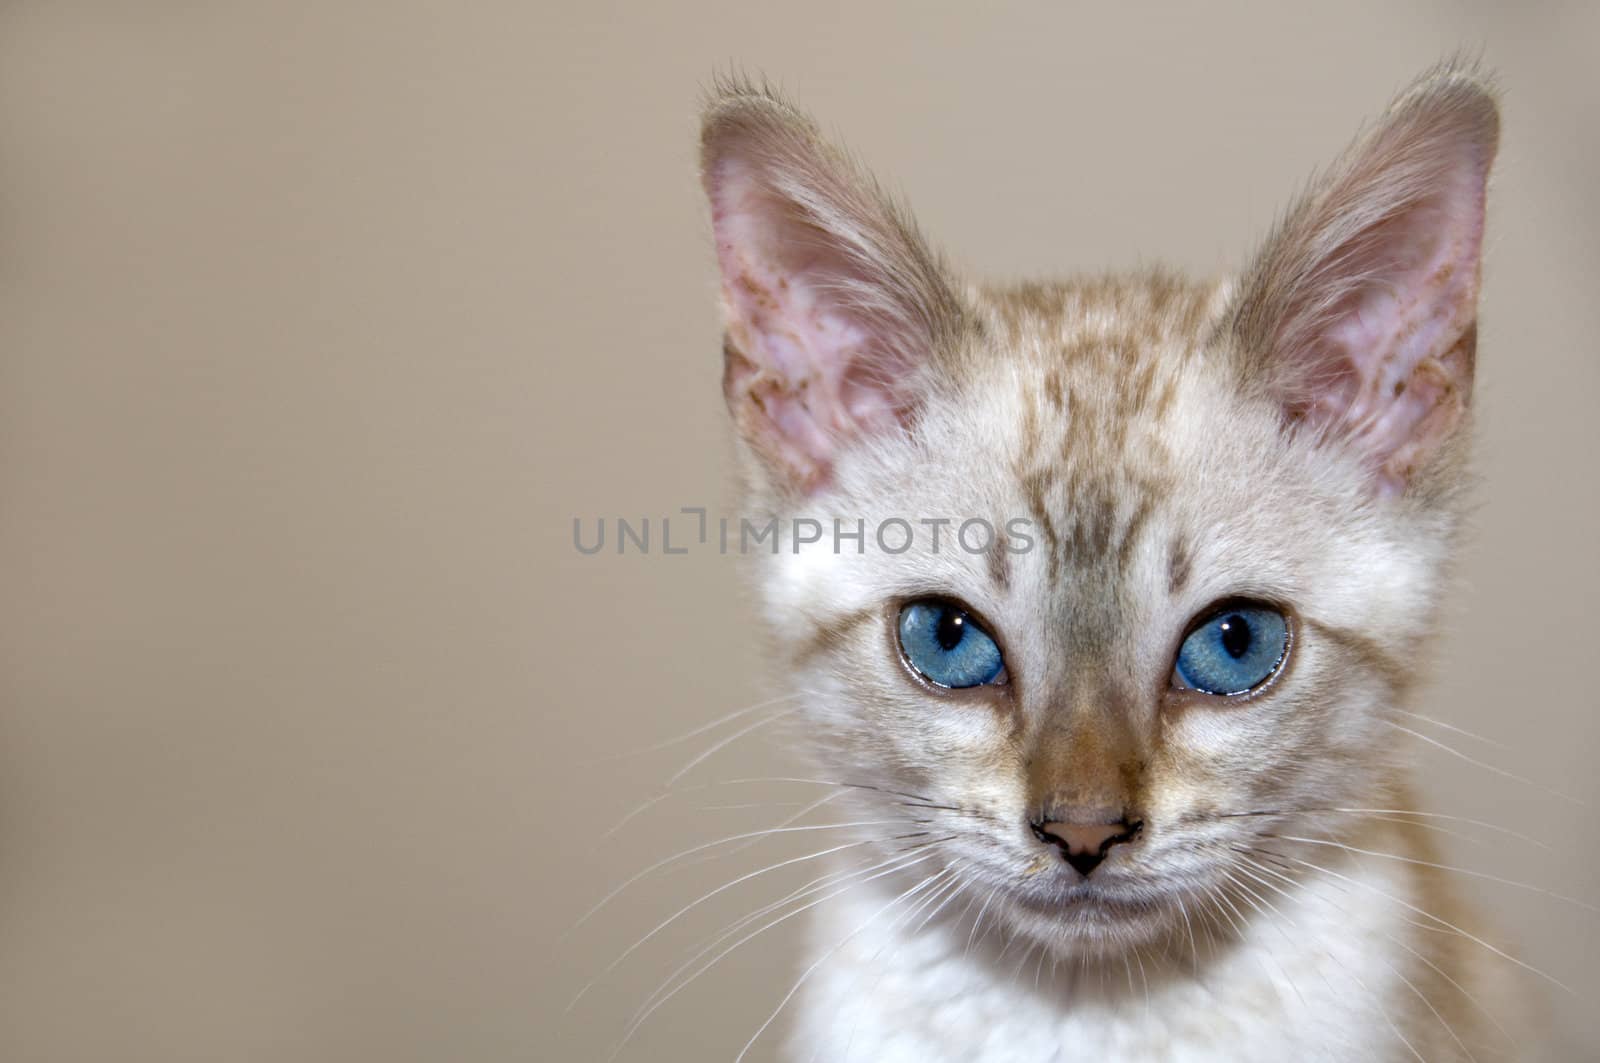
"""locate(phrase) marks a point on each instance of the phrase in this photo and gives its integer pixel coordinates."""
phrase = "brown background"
(320, 322)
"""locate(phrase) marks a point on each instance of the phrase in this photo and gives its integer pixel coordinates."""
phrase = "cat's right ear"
(833, 302)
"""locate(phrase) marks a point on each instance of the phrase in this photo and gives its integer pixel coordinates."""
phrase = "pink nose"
(1085, 844)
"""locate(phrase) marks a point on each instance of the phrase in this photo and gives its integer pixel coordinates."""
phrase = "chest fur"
(1324, 977)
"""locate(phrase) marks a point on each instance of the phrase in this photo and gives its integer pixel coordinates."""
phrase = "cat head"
(1193, 533)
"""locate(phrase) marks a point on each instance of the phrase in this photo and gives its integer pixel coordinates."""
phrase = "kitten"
(1137, 764)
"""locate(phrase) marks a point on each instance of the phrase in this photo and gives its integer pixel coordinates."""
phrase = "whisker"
(806, 974)
(1441, 867)
(669, 791)
(818, 886)
(1449, 727)
(1188, 926)
(662, 995)
(796, 817)
(821, 883)
(977, 922)
(926, 801)
(723, 743)
(1142, 978)
(659, 864)
(1252, 898)
(1264, 868)
(1388, 1020)
(1485, 1012)
(1256, 901)
(1442, 922)
(824, 881)
(951, 895)
(1396, 941)
(1485, 824)
(633, 813)
(1486, 766)
(696, 732)
(738, 805)
(956, 881)
(1238, 927)
(1461, 836)
(674, 917)
(810, 889)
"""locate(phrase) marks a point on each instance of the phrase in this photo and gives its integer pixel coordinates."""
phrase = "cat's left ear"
(1360, 314)
(833, 303)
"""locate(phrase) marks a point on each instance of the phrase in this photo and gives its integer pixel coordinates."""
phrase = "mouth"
(1087, 896)
(1092, 907)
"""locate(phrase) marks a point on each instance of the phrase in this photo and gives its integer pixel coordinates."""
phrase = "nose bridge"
(1085, 763)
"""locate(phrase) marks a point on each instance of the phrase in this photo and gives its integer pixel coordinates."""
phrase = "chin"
(1093, 920)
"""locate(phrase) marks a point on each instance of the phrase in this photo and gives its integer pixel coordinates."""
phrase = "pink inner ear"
(805, 371)
(1407, 340)
(1393, 358)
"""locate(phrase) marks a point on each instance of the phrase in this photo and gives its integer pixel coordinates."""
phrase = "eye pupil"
(952, 628)
(1235, 631)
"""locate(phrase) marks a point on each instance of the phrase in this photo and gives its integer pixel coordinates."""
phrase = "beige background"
(319, 322)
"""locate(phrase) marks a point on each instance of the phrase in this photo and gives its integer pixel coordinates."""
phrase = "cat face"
(1234, 504)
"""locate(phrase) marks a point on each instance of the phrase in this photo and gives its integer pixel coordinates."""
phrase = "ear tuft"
(1359, 316)
(833, 302)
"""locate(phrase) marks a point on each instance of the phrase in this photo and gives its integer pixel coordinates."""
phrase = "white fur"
(1313, 982)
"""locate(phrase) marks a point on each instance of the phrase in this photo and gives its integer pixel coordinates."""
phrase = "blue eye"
(1233, 650)
(947, 646)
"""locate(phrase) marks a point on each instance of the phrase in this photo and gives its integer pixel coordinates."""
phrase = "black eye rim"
(1220, 607)
(999, 688)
